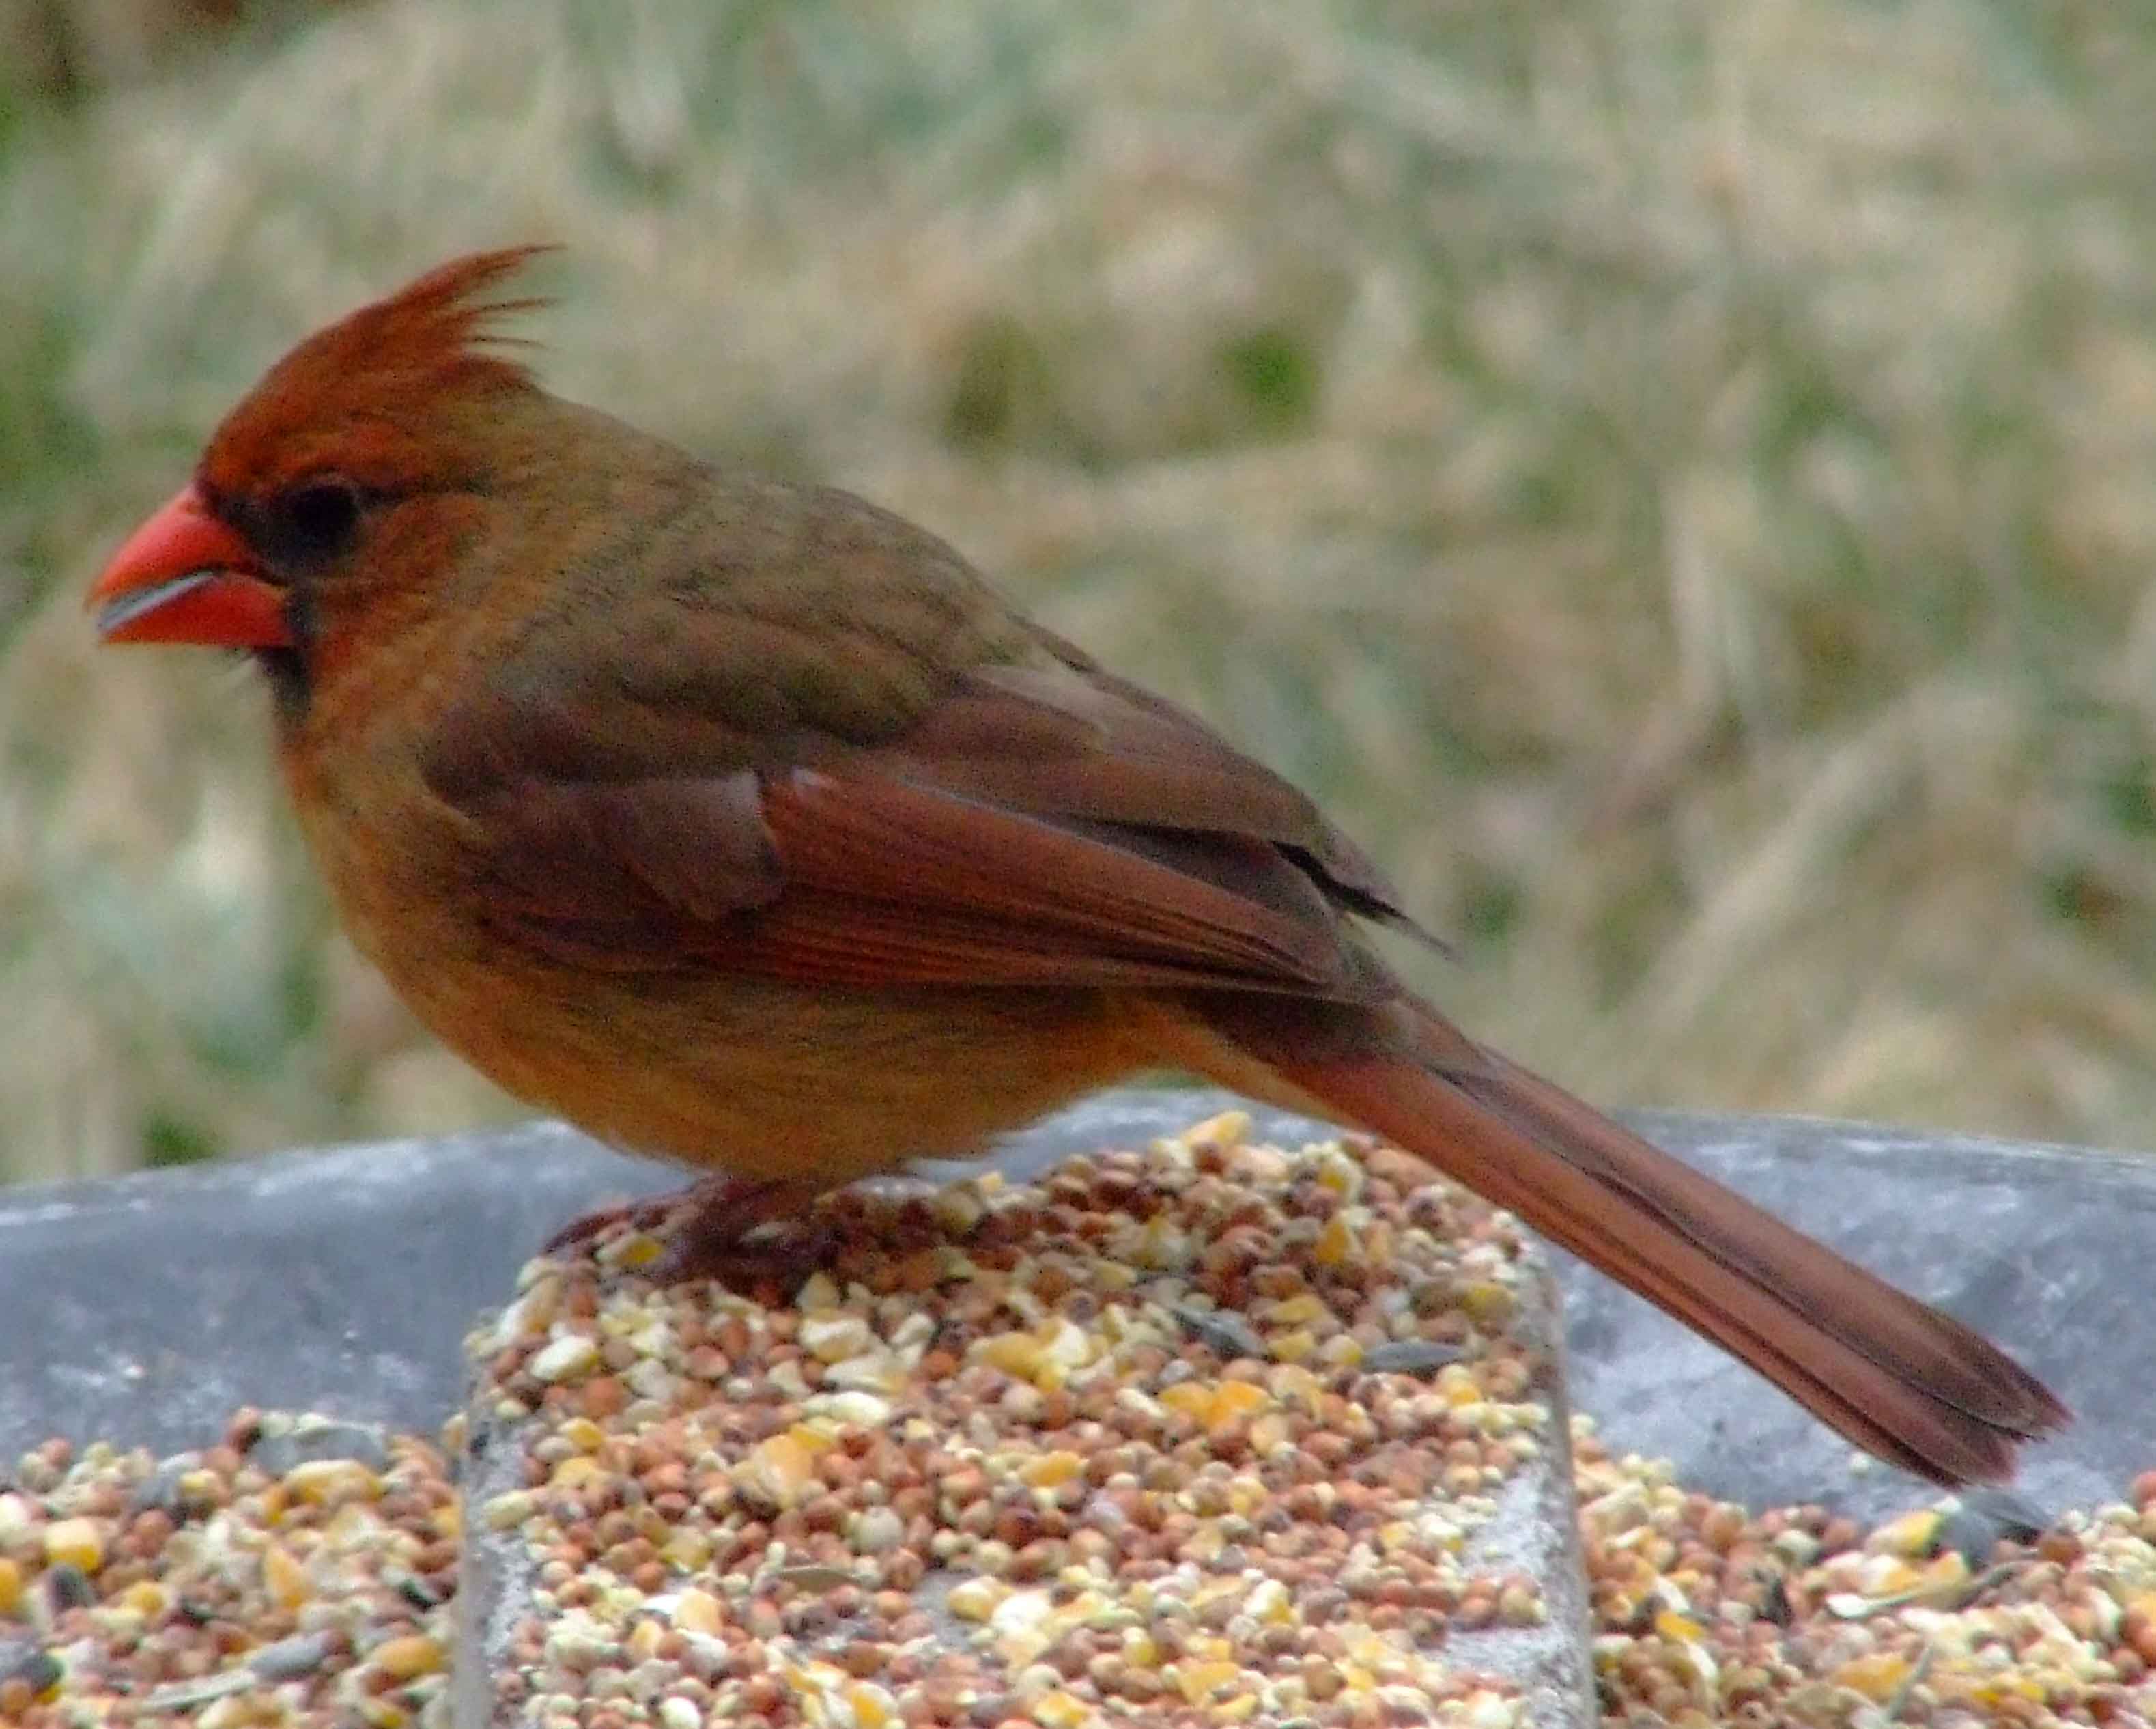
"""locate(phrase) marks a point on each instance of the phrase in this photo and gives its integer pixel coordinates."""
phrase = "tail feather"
(1897, 1378)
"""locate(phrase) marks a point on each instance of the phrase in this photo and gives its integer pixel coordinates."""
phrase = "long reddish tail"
(1903, 1381)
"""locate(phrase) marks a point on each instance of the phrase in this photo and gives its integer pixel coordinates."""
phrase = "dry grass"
(1678, 480)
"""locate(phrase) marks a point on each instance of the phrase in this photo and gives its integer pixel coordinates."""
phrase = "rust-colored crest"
(341, 395)
(434, 326)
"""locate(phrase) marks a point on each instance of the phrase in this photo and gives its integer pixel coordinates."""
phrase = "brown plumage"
(742, 823)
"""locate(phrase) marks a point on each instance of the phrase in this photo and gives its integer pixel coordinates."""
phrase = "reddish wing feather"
(1037, 901)
(1004, 840)
(1195, 778)
(876, 881)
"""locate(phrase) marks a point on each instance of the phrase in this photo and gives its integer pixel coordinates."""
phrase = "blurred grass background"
(1678, 480)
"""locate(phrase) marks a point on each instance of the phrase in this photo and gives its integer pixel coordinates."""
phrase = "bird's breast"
(757, 1078)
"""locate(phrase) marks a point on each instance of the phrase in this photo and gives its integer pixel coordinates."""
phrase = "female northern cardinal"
(743, 823)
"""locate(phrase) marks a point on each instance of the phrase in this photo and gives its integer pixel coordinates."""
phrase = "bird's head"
(359, 460)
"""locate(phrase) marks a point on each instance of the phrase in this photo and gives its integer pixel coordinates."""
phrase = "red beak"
(185, 577)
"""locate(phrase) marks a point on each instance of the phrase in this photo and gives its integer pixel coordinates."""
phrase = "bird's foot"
(586, 1228)
(708, 1229)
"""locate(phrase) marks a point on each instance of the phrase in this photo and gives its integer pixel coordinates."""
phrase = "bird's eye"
(316, 521)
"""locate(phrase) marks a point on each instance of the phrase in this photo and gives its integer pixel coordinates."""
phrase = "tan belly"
(769, 1081)
(757, 1079)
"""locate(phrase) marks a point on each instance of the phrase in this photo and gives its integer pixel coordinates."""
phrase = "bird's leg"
(710, 1219)
(716, 1216)
(647, 1213)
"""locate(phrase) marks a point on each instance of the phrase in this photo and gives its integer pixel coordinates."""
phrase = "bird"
(742, 823)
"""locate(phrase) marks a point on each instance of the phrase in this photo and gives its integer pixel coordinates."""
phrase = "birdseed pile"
(1206, 1434)
(1214, 1434)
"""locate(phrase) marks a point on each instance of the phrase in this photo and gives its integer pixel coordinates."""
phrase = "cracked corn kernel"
(1052, 1470)
(579, 1470)
(1337, 1243)
(974, 1599)
(1214, 1404)
(834, 1337)
(1059, 1710)
(687, 1551)
(1913, 1535)
(697, 1611)
(1293, 1346)
(778, 1472)
(1876, 1677)
(582, 1434)
(146, 1599)
(1230, 1128)
(283, 1578)
(332, 1482)
(1297, 1311)
(568, 1358)
(75, 1542)
(408, 1657)
(1489, 1304)
(506, 1512)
